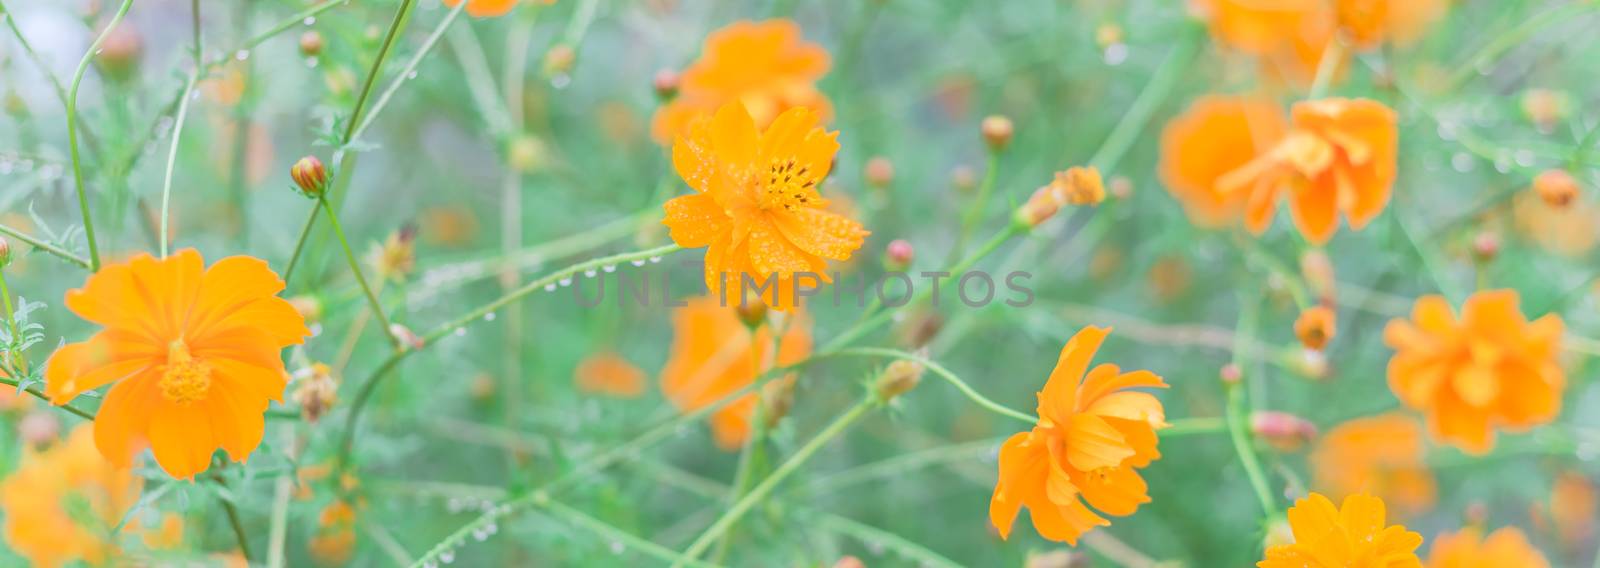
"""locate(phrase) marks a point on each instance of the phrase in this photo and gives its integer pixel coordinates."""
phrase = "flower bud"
(1556, 187)
(309, 308)
(1230, 374)
(1312, 364)
(1041, 206)
(120, 52)
(317, 393)
(1485, 246)
(777, 398)
(407, 337)
(879, 172)
(1080, 186)
(1315, 327)
(963, 179)
(997, 131)
(921, 328)
(753, 314)
(5, 252)
(559, 60)
(38, 428)
(849, 562)
(1121, 188)
(1317, 270)
(482, 388)
(311, 43)
(525, 154)
(666, 84)
(1281, 430)
(310, 175)
(898, 255)
(901, 376)
(1545, 108)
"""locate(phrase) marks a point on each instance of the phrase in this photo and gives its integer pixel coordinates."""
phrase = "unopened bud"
(920, 329)
(666, 84)
(901, 376)
(120, 52)
(753, 314)
(317, 392)
(309, 308)
(1485, 246)
(997, 131)
(482, 387)
(879, 172)
(559, 60)
(1312, 364)
(1121, 188)
(310, 176)
(898, 255)
(1283, 431)
(1556, 187)
(1545, 108)
(5, 252)
(406, 336)
(777, 398)
(963, 179)
(525, 154)
(1230, 374)
(38, 428)
(1315, 327)
(311, 43)
(1041, 206)
(1317, 270)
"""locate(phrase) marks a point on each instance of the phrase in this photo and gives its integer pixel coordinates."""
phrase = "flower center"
(185, 379)
(789, 186)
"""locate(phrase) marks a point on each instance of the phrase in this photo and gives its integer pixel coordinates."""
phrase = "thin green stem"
(1155, 92)
(234, 520)
(44, 67)
(979, 206)
(1332, 55)
(172, 155)
(11, 320)
(1238, 412)
(1511, 38)
(613, 534)
(793, 464)
(355, 268)
(943, 373)
(72, 131)
(869, 534)
(287, 24)
(411, 66)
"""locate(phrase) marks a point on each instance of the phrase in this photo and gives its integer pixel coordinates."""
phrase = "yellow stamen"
(184, 379)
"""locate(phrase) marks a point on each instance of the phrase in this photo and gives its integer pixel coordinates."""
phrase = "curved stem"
(355, 268)
(40, 244)
(1166, 77)
(34, 390)
(1512, 38)
(411, 65)
(72, 131)
(614, 534)
(760, 492)
(1237, 413)
(943, 373)
(172, 157)
(234, 520)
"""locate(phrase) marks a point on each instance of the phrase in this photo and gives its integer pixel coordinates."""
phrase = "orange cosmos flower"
(766, 66)
(1372, 22)
(490, 8)
(1504, 548)
(1574, 506)
(609, 374)
(1491, 367)
(60, 504)
(335, 537)
(1263, 28)
(714, 354)
(1355, 535)
(756, 204)
(1380, 455)
(1093, 435)
(1339, 157)
(1570, 230)
(192, 354)
(1216, 135)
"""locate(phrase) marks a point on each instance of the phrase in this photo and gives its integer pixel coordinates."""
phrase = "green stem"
(613, 534)
(869, 534)
(1326, 67)
(979, 206)
(11, 321)
(355, 268)
(1511, 38)
(760, 492)
(59, 252)
(943, 373)
(411, 65)
(72, 131)
(1238, 413)
(234, 521)
(44, 67)
(1166, 77)
(172, 155)
(288, 23)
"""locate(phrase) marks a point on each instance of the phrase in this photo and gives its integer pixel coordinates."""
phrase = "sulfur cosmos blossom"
(607, 373)
(1381, 455)
(1287, 38)
(1092, 437)
(756, 205)
(1338, 157)
(1216, 135)
(1469, 548)
(1354, 535)
(192, 354)
(490, 8)
(1370, 23)
(714, 354)
(765, 65)
(1488, 368)
(59, 505)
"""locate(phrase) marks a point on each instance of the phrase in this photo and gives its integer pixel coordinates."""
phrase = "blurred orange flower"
(59, 504)
(1570, 230)
(192, 354)
(715, 354)
(1354, 535)
(1092, 436)
(1380, 455)
(609, 374)
(1490, 368)
(1574, 507)
(1372, 22)
(1264, 28)
(766, 65)
(756, 204)
(335, 537)
(1339, 157)
(490, 8)
(1216, 135)
(1504, 548)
